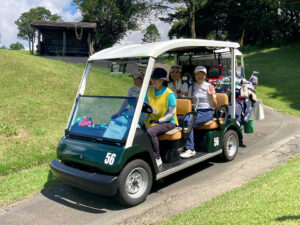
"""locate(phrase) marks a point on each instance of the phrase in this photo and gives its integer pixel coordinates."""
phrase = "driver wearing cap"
(163, 101)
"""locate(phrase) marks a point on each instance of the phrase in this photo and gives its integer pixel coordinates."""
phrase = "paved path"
(276, 138)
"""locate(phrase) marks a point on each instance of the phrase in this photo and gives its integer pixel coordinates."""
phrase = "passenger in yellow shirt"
(162, 100)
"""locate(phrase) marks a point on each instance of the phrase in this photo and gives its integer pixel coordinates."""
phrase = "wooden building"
(64, 38)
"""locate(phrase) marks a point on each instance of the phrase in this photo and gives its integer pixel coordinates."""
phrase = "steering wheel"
(147, 108)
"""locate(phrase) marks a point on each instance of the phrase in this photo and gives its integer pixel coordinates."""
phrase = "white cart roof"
(157, 48)
(227, 50)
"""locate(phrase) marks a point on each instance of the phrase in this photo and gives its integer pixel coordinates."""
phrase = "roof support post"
(80, 89)
(140, 102)
(64, 43)
(233, 63)
(243, 67)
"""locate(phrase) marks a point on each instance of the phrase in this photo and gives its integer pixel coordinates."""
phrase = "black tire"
(137, 169)
(230, 145)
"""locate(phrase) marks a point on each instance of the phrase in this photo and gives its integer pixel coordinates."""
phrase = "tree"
(26, 32)
(16, 46)
(151, 34)
(245, 21)
(113, 18)
(188, 7)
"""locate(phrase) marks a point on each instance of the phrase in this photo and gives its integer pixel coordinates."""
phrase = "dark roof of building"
(61, 24)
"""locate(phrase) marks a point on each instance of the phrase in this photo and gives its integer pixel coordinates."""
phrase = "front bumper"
(91, 182)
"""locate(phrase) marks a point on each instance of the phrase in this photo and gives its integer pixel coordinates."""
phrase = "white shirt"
(134, 91)
(200, 91)
(183, 87)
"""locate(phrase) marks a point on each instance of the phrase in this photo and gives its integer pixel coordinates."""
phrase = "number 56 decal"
(110, 158)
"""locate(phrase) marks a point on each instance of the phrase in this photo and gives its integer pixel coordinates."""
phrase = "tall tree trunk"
(192, 17)
(30, 48)
(242, 38)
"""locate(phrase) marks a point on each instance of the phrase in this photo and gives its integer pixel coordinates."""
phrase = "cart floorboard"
(169, 168)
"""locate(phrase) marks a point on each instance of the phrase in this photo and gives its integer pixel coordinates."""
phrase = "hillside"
(279, 78)
(36, 98)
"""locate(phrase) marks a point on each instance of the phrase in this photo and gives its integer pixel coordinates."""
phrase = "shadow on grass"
(285, 218)
(279, 69)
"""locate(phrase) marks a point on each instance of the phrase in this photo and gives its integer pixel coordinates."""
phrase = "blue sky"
(11, 10)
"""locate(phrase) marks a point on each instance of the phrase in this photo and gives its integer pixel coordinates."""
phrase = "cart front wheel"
(134, 183)
(230, 145)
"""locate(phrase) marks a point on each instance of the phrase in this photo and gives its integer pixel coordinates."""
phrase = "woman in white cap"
(206, 95)
(176, 84)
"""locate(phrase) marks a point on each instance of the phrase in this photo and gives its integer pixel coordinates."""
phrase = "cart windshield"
(103, 117)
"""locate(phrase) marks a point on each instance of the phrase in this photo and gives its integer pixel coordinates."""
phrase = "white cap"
(164, 66)
(200, 69)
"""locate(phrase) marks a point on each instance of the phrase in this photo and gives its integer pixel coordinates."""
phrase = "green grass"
(272, 198)
(36, 98)
(279, 78)
(21, 184)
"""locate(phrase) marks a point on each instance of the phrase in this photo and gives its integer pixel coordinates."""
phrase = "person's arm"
(171, 109)
(212, 95)
(190, 91)
(123, 106)
(170, 113)
(184, 89)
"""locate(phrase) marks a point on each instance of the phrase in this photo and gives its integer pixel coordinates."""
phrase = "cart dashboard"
(102, 118)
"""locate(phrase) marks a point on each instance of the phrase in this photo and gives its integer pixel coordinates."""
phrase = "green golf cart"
(112, 156)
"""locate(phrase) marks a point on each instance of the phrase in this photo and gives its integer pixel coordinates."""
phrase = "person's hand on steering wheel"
(116, 115)
(154, 121)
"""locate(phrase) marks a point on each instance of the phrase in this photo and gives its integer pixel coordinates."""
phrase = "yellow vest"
(160, 103)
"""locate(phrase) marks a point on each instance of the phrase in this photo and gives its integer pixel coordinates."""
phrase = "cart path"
(277, 137)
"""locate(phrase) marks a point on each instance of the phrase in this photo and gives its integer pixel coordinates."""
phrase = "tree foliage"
(16, 46)
(113, 18)
(189, 8)
(26, 32)
(247, 21)
(151, 34)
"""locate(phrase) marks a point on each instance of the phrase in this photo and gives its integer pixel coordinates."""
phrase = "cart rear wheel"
(134, 183)
(230, 145)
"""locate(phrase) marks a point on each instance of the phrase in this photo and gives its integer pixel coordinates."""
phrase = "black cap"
(159, 73)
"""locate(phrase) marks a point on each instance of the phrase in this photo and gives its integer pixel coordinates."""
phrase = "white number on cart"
(110, 158)
(216, 141)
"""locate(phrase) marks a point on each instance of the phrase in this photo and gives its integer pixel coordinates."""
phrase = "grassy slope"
(270, 199)
(36, 97)
(279, 78)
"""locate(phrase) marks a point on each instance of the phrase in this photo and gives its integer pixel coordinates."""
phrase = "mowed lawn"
(36, 97)
(272, 198)
(279, 79)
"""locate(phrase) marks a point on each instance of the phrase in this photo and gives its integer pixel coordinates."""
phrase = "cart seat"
(172, 135)
(215, 123)
(183, 106)
(210, 125)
